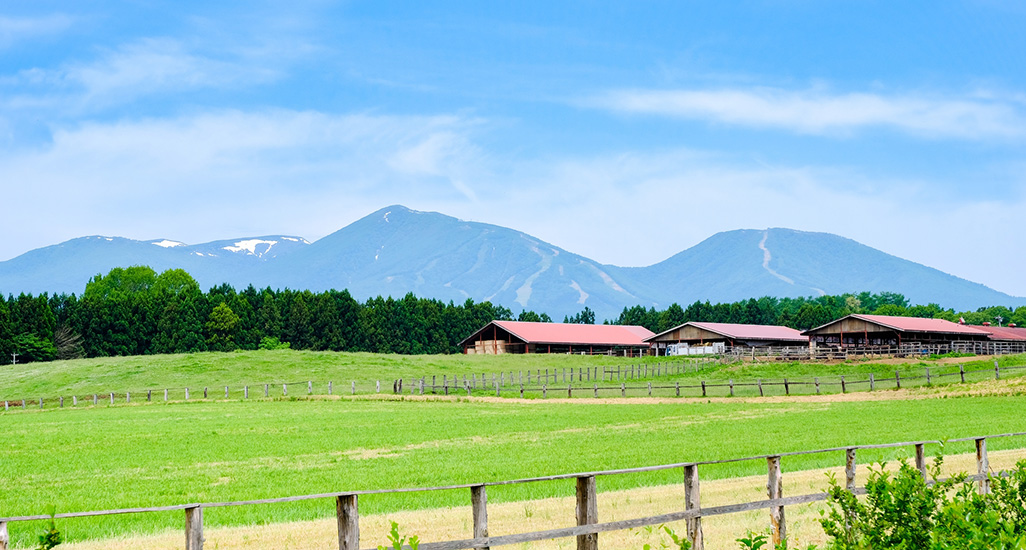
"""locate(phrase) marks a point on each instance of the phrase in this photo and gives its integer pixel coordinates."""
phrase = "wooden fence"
(528, 384)
(588, 525)
(842, 353)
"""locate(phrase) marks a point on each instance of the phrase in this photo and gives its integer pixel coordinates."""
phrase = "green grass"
(85, 377)
(161, 454)
(138, 373)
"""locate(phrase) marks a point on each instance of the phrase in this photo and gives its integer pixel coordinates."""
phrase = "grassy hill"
(137, 374)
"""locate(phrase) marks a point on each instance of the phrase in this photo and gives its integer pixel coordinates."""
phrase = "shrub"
(905, 511)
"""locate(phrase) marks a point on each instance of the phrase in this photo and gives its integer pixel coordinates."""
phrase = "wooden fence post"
(732, 387)
(226, 392)
(479, 503)
(194, 528)
(623, 389)
(267, 390)
(982, 465)
(997, 370)
(921, 459)
(849, 469)
(678, 389)
(650, 389)
(872, 382)
(961, 372)
(817, 385)
(703, 388)
(348, 522)
(775, 489)
(245, 392)
(587, 511)
(693, 501)
(897, 379)
(596, 390)
(787, 388)
(844, 389)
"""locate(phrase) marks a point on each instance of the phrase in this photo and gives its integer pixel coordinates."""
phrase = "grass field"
(157, 454)
(84, 377)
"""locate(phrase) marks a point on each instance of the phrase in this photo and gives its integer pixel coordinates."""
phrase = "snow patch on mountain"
(583, 295)
(250, 247)
(167, 244)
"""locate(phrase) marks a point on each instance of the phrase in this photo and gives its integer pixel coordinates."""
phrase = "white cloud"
(228, 174)
(640, 208)
(17, 29)
(818, 111)
(139, 69)
(233, 174)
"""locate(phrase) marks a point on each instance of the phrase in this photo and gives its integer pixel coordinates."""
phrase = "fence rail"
(588, 526)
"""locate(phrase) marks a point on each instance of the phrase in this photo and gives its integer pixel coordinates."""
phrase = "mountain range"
(397, 250)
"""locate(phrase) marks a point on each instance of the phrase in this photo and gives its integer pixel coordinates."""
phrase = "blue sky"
(625, 132)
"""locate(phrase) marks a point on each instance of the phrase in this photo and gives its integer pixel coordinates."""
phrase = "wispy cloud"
(234, 173)
(142, 68)
(817, 111)
(16, 29)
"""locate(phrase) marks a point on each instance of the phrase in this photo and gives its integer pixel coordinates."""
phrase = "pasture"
(158, 454)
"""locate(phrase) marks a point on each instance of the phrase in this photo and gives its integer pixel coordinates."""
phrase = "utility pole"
(999, 319)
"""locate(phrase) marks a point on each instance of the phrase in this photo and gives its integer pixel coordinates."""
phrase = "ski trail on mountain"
(766, 257)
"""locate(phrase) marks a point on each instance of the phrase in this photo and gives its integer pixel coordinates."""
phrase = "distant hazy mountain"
(397, 250)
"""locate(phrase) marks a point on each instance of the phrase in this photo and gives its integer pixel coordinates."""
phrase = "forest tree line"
(135, 311)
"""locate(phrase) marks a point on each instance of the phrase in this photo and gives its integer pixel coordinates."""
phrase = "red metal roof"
(739, 331)
(913, 324)
(566, 333)
(754, 332)
(1005, 333)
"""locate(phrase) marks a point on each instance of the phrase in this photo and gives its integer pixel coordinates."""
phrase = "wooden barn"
(699, 338)
(876, 331)
(526, 337)
(1002, 340)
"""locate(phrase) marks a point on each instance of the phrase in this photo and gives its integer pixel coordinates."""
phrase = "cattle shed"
(526, 337)
(684, 339)
(874, 331)
(1002, 340)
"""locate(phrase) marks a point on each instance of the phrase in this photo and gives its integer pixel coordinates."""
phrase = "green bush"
(904, 511)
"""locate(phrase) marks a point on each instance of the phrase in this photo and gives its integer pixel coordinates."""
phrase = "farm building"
(699, 338)
(1002, 340)
(900, 333)
(525, 337)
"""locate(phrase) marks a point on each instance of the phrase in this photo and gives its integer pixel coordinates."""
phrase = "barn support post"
(587, 511)
(692, 501)
(775, 489)
(479, 503)
(194, 528)
(982, 465)
(348, 517)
